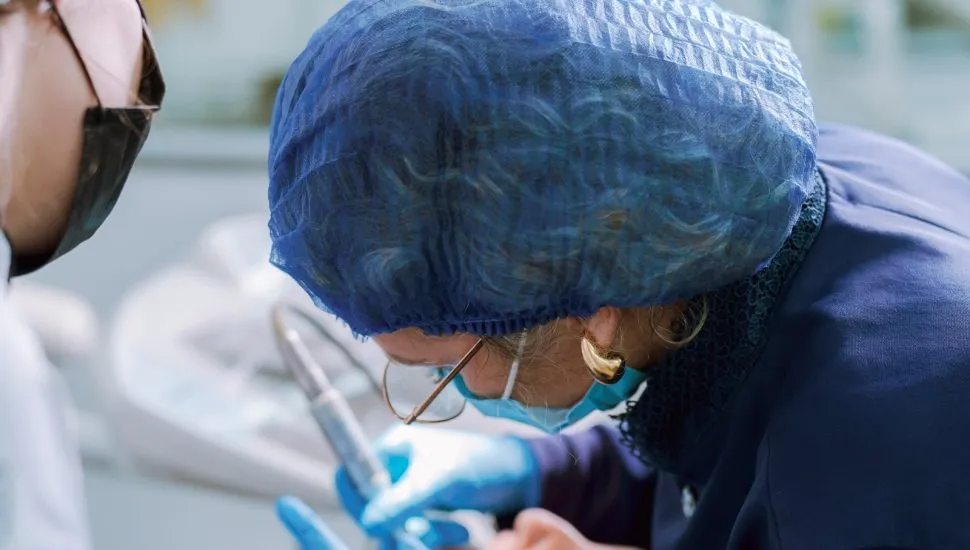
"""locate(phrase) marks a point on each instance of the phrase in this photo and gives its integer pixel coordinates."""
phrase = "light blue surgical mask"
(599, 397)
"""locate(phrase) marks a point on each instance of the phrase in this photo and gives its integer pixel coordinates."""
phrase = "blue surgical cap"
(485, 166)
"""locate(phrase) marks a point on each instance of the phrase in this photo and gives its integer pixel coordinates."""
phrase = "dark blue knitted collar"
(687, 392)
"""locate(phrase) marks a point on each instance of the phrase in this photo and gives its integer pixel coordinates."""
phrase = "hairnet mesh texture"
(487, 166)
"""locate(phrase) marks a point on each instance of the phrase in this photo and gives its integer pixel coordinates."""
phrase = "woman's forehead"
(412, 347)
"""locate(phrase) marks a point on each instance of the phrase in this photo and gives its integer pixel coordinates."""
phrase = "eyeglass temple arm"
(420, 409)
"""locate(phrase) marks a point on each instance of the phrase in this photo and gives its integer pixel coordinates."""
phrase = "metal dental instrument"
(334, 416)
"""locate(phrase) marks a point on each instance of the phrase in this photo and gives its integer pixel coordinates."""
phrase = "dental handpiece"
(336, 420)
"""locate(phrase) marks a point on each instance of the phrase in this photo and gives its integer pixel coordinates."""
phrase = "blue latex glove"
(312, 534)
(306, 527)
(447, 470)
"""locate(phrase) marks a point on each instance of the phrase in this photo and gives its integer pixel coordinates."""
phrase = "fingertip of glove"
(373, 517)
(442, 534)
(291, 511)
(383, 515)
(351, 499)
(285, 503)
(305, 526)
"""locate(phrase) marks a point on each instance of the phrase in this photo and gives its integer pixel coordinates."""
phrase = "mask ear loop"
(77, 53)
(514, 371)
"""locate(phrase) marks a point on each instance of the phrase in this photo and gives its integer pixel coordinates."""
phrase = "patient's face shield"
(422, 394)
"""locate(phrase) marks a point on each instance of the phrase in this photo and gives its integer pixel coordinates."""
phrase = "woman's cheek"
(486, 378)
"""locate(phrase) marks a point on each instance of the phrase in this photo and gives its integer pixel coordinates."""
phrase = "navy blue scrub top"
(826, 404)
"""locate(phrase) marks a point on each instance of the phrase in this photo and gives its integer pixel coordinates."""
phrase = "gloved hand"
(306, 527)
(534, 530)
(434, 534)
(312, 534)
(447, 470)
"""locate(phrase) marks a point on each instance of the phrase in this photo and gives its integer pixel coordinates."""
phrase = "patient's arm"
(592, 481)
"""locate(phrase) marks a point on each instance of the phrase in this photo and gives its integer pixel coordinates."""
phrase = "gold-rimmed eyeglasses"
(405, 390)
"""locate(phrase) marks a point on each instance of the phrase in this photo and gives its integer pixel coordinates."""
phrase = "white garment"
(41, 485)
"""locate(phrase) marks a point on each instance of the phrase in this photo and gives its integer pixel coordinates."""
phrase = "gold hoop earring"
(606, 367)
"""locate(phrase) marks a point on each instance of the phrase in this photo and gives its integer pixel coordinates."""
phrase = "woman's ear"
(603, 326)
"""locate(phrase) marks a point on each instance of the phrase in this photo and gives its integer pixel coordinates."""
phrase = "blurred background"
(160, 322)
